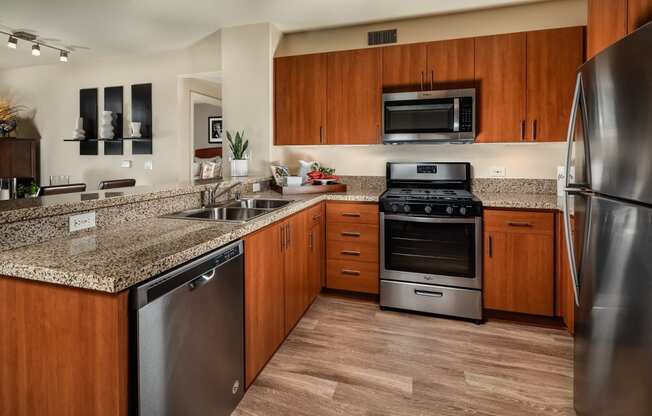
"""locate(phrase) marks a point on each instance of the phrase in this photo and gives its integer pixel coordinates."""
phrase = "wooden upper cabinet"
(404, 67)
(553, 57)
(300, 99)
(639, 12)
(354, 94)
(607, 23)
(450, 64)
(500, 81)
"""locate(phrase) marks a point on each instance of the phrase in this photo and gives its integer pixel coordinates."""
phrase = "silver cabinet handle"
(350, 253)
(350, 234)
(422, 77)
(202, 280)
(491, 247)
(351, 272)
(321, 134)
(428, 294)
(522, 130)
(288, 235)
(432, 80)
(534, 130)
(351, 214)
(519, 224)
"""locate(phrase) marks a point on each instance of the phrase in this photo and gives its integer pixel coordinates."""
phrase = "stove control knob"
(449, 210)
(462, 210)
(406, 208)
(394, 208)
(428, 209)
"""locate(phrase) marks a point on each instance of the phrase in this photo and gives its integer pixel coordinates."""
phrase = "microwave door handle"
(456, 114)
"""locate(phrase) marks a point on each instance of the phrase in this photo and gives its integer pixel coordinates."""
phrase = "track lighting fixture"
(29, 37)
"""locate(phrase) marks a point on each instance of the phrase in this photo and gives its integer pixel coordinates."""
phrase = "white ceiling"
(116, 27)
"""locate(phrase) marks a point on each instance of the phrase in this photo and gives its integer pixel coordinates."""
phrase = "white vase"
(106, 128)
(239, 167)
(135, 129)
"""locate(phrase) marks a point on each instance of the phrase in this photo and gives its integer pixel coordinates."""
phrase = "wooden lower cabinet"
(264, 298)
(63, 351)
(519, 260)
(352, 247)
(283, 265)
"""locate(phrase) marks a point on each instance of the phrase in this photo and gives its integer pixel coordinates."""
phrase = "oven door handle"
(431, 220)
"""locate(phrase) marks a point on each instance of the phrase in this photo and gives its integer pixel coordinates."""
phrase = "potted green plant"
(238, 147)
(28, 191)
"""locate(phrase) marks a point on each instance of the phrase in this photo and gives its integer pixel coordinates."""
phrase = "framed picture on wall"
(214, 129)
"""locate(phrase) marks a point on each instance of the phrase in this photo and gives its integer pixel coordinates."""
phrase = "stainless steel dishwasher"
(188, 327)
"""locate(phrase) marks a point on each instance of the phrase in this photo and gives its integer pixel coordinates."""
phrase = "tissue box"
(293, 181)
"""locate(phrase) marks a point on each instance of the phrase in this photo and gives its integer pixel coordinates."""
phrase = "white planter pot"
(239, 167)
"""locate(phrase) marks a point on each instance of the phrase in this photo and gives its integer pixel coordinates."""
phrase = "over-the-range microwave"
(444, 116)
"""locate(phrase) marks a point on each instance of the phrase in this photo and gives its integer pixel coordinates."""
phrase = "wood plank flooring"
(346, 357)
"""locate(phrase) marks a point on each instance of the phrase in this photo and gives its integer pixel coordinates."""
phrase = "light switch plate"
(497, 172)
(125, 164)
(82, 221)
(256, 187)
(148, 165)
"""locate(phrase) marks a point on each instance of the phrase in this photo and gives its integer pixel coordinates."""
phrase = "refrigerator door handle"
(572, 262)
(571, 126)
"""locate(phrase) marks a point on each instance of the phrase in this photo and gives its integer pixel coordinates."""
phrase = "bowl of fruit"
(322, 176)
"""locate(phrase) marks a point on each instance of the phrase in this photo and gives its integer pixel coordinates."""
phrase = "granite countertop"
(31, 208)
(519, 200)
(113, 259)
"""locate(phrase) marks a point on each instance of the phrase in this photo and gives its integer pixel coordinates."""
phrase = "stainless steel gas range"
(431, 240)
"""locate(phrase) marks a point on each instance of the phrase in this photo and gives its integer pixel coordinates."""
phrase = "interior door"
(500, 81)
(404, 67)
(613, 364)
(450, 64)
(300, 99)
(553, 57)
(354, 99)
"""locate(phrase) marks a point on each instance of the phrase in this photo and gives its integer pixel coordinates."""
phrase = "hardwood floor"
(346, 357)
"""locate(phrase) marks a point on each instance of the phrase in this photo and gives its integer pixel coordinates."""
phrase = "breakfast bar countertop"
(112, 259)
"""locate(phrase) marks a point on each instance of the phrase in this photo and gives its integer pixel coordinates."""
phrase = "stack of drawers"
(352, 247)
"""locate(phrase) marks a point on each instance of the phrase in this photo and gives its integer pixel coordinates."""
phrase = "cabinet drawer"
(352, 251)
(362, 233)
(353, 276)
(519, 221)
(352, 213)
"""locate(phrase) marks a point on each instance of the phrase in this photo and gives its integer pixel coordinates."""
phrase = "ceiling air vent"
(382, 36)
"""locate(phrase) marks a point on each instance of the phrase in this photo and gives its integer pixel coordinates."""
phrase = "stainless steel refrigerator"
(608, 223)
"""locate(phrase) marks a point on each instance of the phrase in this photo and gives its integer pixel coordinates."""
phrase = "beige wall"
(520, 160)
(52, 94)
(549, 14)
(247, 94)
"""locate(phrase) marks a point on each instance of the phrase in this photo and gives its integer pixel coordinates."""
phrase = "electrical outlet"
(82, 221)
(148, 165)
(125, 164)
(497, 172)
(256, 187)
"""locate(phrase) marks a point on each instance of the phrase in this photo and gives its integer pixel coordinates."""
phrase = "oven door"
(442, 251)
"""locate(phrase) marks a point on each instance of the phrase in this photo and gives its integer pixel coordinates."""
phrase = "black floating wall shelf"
(113, 102)
(88, 111)
(141, 111)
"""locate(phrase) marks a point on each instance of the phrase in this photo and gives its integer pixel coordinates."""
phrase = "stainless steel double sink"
(239, 210)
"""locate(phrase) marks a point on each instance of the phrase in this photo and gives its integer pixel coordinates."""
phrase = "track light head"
(12, 43)
(36, 50)
(63, 56)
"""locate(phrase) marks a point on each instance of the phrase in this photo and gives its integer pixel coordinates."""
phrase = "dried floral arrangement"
(8, 116)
